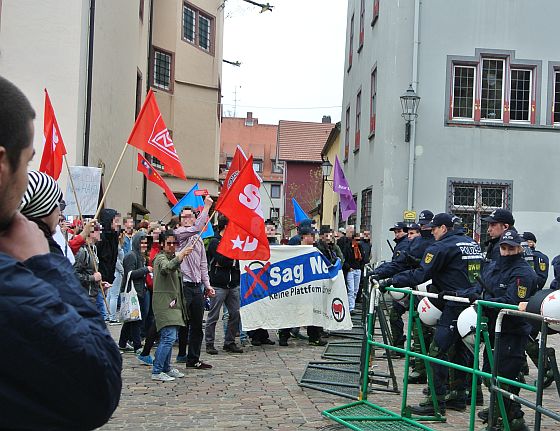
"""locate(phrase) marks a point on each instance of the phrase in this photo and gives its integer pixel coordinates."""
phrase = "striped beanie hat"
(41, 197)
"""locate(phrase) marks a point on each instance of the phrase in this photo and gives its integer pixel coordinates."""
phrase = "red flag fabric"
(241, 204)
(237, 244)
(237, 163)
(152, 175)
(54, 149)
(150, 134)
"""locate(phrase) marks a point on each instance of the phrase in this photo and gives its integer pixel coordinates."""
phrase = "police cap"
(511, 237)
(442, 219)
(500, 216)
(425, 217)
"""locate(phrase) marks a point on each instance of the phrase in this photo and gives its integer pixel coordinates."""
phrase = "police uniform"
(539, 262)
(398, 263)
(497, 216)
(452, 263)
(509, 280)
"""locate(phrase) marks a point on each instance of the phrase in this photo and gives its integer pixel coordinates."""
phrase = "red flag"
(241, 203)
(237, 163)
(54, 150)
(237, 244)
(150, 134)
(151, 174)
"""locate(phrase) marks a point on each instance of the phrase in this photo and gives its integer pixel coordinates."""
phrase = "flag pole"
(165, 215)
(110, 181)
(82, 220)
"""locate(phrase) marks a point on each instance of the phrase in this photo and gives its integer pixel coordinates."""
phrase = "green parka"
(167, 303)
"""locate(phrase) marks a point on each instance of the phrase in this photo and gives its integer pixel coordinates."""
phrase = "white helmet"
(429, 313)
(466, 325)
(550, 307)
(424, 286)
(401, 298)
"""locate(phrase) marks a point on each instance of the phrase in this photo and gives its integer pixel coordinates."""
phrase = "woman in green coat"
(168, 305)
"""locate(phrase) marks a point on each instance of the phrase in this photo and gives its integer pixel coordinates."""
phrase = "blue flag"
(197, 204)
(299, 214)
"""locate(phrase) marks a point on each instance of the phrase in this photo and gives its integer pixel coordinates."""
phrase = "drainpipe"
(148, 81)
(87, 127)
(412, 148)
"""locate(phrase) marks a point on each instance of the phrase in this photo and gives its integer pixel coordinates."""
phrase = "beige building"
(330, 198)
(187, 68)
(94, 58)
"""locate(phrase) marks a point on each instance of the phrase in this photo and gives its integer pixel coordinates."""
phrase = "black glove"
(472, 297)
(446, 293)
(385, 283)
(413, 261)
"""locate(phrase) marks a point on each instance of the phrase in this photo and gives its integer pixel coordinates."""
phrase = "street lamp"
(326, 168)
(409, 102)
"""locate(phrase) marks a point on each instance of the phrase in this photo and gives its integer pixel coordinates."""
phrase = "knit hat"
(41, 197)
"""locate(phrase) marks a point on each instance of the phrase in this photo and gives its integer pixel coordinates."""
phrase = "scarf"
(357, 252)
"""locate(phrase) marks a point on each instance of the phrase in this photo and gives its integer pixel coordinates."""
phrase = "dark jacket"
(492, 250)
(331, 251)
(540, 265)
(134, 263)
(350, 261)
(60, 368)
(295, 240)
(453, 263)
(53, 245)
(84, 267)
(398, 262)
(223, 271)
(509, 280)
(555, 285)
(108, 247)
(365, 247)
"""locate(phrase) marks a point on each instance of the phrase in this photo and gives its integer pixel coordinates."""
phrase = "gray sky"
(292, 57)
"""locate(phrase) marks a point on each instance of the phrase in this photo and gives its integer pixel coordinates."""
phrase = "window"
(249, 122)
(472, 200)
(351, 44)
(257, 165)
(373, 101)
(362, 19)
(463, 91)
(365, 211)
(163, 70)
(275, 191)
(347, 134)
(198, 28)
(358, 115)
(494, 90)
(156, 163)
(375, 12)
(228, 162)
(556, 103)
(274, 213)
(277, 168)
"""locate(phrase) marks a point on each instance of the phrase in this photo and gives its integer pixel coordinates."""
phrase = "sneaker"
(233, 348)
(210, 349)
(415, 378)
(127, 348)
(181, 359)
(145, 360)
(318, 342)
(174, 372)
(114, 322)
(162, 377)
(199, 365)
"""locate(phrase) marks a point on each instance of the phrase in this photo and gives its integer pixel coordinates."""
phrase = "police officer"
(452, 262)
(509, 280)
(499, 221)
(388, 269)
(540, 260)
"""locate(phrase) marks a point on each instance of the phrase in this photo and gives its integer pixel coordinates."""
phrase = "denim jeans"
(113, 296)
(243, 336)
(101, 305)
(353, 284)
(162, 360)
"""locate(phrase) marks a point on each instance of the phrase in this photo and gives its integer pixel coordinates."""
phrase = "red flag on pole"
(241, 204)
(150, 134)
(237, 244)
(152, 175)
(54, 150)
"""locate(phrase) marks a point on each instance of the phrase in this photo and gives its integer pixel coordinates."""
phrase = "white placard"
(87, 181)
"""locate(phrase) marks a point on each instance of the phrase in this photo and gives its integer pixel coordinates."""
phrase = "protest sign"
(87, 181)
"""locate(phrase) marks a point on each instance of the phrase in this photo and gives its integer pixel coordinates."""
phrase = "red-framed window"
(373, 101)
(163, 66)
(358, 117)
(362, 20)
(375, 11)
(351, 43)
(347, 134)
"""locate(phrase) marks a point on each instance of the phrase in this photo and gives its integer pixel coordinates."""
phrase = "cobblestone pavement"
(257, 390)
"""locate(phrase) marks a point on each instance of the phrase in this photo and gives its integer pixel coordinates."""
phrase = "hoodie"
(108, 247)
(134, 263)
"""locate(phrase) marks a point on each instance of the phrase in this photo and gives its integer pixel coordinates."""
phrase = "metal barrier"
(363, 415)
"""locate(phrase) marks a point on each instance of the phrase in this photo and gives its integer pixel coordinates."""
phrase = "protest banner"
(87, 181)
(295, 287)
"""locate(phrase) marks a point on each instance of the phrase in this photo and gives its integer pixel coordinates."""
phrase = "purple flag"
(340, 186)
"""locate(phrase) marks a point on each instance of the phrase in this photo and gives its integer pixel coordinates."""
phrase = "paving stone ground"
(258, 390)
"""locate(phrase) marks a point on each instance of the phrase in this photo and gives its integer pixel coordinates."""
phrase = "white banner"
(87, 181)
(296, 287)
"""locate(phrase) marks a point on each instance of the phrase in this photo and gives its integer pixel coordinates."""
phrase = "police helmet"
(424, 286)
(466, 325)
(398, 296)
(545, 302)
(429, 314)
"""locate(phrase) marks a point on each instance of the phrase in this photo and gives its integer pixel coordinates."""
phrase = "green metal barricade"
(363, 415)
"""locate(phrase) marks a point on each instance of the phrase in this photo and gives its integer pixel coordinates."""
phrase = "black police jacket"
(417, 249)
(398, 262)
(453, 263)
(540, 265)
(509, 280)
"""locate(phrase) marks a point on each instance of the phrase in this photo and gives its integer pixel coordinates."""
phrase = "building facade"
(488, 119)
(330, 150)
(260, 141)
